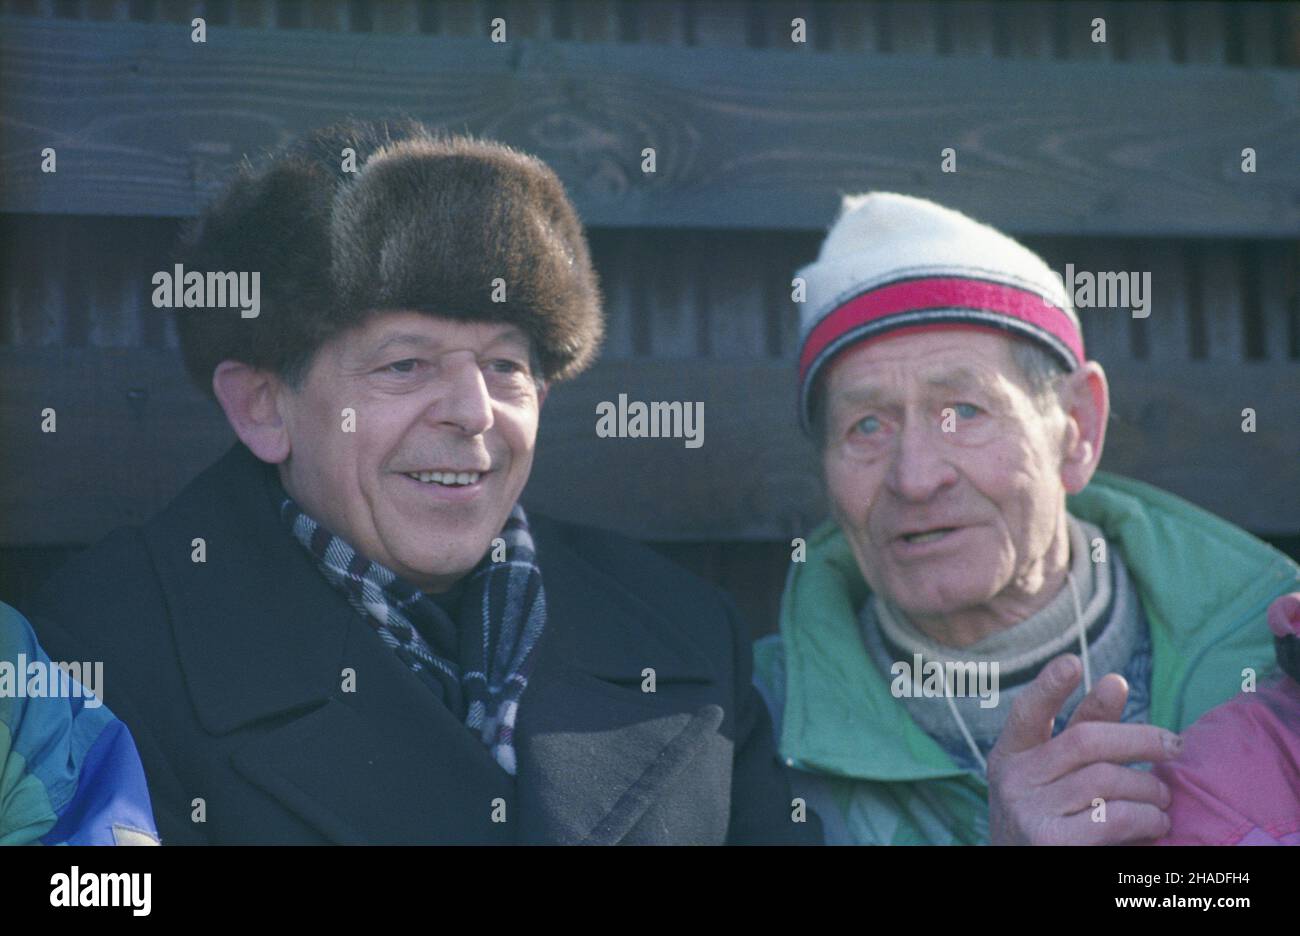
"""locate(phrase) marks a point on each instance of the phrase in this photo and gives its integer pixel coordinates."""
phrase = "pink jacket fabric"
(1237, 781)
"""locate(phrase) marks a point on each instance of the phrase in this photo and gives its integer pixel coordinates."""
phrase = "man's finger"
(1093, 742)
(1125, 822)
(1029, 723)
(1105, 703)
(1108, 782)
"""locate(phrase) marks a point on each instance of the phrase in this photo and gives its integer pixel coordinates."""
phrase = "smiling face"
(964, 529)
(430, 395)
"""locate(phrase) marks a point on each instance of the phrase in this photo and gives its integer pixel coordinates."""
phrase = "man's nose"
(465, 402)
(920, 466)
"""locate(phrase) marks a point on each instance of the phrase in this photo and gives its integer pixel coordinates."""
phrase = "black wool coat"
(230, 675)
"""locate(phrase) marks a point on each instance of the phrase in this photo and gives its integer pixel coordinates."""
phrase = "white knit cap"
(894, 261)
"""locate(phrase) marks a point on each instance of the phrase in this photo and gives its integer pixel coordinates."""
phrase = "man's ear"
(542, 389)
(1086, 399)
(251, 398)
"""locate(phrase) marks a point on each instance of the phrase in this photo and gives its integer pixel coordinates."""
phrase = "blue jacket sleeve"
(69, 770)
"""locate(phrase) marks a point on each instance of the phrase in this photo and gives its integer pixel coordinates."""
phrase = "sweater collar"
(1024, 648)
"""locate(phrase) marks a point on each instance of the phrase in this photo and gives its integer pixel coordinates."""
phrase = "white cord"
(1083, 634)
(961, 723)
(1087, 676)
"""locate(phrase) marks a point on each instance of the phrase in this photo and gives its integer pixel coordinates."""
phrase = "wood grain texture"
(148, 123)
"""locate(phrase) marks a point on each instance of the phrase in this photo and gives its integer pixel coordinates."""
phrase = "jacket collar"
(840, 717)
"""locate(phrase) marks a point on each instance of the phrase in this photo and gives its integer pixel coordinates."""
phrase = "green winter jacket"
(875, 777)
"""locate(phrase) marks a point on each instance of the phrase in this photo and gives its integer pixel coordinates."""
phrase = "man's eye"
(966, 410)
(867, 425)
(506, 366)
(403, 367)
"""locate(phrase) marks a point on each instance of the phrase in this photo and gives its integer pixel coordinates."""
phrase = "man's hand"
(1041, 789)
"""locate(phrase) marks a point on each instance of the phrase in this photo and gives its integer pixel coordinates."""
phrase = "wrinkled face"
(940, 521)
(430, 395)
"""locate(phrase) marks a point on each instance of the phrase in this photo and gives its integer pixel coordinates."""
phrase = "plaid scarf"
(478, 665)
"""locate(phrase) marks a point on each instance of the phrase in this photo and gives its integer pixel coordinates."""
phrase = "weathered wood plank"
(1261, 27)
(745, 138)
(462, 18)
(717, 24)
(1221, 280)
(132, 432)
(331, 15)
(610, 257)
(1167, 329)
(1203, 34)
(1270, 265)
(1290, 18)
(733, 307)
(288, 14)
(1030, 27)
(396, 16)
(777, 258)
(1145, 32)
(107, 10)
(254, 13)
(666, 295)
(658, 23)
(596, 20)
(971, 28)
(912, 26)
(1105, 330)
(776, 18)
(854, 25)
(183, 11)
(525, 19)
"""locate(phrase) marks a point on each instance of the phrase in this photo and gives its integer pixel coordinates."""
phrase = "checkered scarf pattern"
(480, 663)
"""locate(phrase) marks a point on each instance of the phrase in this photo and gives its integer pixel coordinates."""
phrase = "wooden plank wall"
(692, 316)
(745, 138)
(1228, 32)
(698, 313)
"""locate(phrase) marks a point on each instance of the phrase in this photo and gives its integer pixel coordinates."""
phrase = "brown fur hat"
(427, 222)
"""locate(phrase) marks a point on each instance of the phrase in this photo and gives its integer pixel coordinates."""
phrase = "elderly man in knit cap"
(989, 633)
(348, 629)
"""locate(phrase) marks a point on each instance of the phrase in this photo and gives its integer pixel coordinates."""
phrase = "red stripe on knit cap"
(940, 292)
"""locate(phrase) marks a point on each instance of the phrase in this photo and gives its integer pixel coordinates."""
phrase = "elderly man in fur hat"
(989, 632)
(348, 629)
